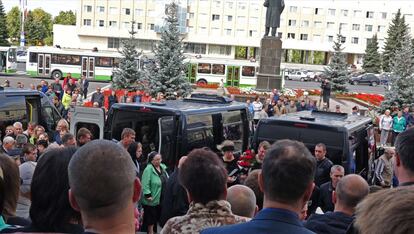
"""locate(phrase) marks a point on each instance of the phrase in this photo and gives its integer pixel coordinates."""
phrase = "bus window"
(248, 71)
(66, 59)
(103, 62)
(116, 62)
(204, 68)
(218, 69)
(33, 58)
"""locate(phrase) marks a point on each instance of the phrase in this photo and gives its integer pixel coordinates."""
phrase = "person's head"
(287, 174)
(62, 126)
(389, 152)
(83, 77)
(29, 152)
(115, 188)
(68, 139)
(39, 129)
(135, 150)
(8, 143)
(252, 181)
(127, 136)
(387, 212)
(43, 82)
(10, 181)
(406, 109)
(242, 200)
(263, 147)
(57, 80)
(44, 137)
(399, 113)
(41, 146)
(98, 89)
(56, 100)
(9, 130)
(155, 158)
(350, 190)
(18, 128)
(68, 75)
(337, 172)
(21, 139)
(210, 173)
(83, 136)
(257, 98)
(320, 151)
(248, 101)
(227, 147)
(354, 109)
(387, 112)
(292, 103)
(32, 86)
(404, 158)
(338, 108)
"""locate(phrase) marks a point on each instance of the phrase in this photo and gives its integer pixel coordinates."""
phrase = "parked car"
(297, 75)
(368, 78)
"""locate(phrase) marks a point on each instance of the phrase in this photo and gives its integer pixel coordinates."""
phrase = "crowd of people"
(73, 184)
(394, 122)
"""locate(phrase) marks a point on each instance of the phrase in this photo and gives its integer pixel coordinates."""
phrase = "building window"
(292, 23)
(369, 40)
(229, 5)
(228, 31)
(343, 26)
(368, 28)
(215, 31)
(140, 12)
(370, 15)
(252, 33)
(293, 9)
(219, 49)
(240, 33)
(126, 11)
(242, 6)
(383, 15)
(317, 24)
(344, 13)
(291, 36)
(191, 16)
(381, 28)
(100, 9)
(305, 23)
(113, 42)
(318, 11)
(317, 37)
(330, 25)
(87, 22)
(218, 4)
(330, 38)
(151, 26)
(147, 45)
(195, 48)
(139, 25)
(100, 23)
(125, 25)
(343, 39)
(215, 17)
(357, 13)
(355, 27)
(202, 30)
(303, 37)
(229, 18)
(112, 24)
(331, 12)
(241, 20)
(88, 8)
(113, 10)
(354, 40)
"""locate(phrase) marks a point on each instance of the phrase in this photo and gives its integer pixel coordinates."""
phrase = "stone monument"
(269, 76)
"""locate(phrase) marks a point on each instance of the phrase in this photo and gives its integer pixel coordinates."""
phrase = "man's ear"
(137, 190)
(72, 201)
(334, 199)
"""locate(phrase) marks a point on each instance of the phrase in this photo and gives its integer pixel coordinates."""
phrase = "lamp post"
(23, 8)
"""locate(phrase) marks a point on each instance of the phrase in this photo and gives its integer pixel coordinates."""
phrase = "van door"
(50, 115)
(167, 138)
(88, 117)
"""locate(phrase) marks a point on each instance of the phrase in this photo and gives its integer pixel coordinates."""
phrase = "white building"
(233, 28)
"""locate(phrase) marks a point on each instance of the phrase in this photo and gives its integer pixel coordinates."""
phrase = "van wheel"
(374, 84)
(202, 82)
(355, 82)
(57, 74)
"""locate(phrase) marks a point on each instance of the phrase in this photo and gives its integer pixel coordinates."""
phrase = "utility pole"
(23, 9)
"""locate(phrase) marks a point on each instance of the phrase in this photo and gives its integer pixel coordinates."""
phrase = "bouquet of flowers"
(247, 159)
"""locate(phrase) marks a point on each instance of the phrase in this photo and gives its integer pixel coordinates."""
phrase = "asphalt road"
(93, 85)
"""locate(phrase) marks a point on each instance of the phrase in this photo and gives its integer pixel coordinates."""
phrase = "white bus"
(8, 59)
(238, 73)
(56, 63)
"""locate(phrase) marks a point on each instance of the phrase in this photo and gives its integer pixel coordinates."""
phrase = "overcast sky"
(51, 6)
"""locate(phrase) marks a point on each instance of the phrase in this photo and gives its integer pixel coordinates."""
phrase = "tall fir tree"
(336, 71)
(372, 58)
(167, 73)
(127, 75)
(401, 90)
(395, 35)
(3, 27)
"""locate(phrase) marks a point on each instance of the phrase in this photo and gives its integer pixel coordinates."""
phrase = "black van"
(173, 127)
(26, 106)
(349, 138)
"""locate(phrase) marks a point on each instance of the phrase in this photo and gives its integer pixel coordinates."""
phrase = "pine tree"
(372, 58)
(395, 33)
(401, 91)
(127, 75)
(337, 68)
(167, 73)
(3, 27)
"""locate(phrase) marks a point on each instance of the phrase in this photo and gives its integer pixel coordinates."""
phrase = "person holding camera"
(326, 91)
(230, 162)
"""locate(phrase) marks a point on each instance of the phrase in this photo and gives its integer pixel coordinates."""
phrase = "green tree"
(401, 90)
(127, 75)
(167, 73)
(372, 58)
(336, 71)
(38, 27)
(65, 18)
(395, 35)
(3, 27)
(14, 24)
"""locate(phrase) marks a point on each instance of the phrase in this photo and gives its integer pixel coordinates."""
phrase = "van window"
(199, 131)
(49, 113)
(93, 128)
(233, 128)
(12, 109)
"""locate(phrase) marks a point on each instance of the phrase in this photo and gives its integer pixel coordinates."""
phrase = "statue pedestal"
(269, 76)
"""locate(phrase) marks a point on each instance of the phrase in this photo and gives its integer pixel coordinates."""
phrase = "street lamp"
(23, 8)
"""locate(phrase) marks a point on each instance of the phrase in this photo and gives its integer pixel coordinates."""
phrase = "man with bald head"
(103, 187)
(242, 201)
(350, 190)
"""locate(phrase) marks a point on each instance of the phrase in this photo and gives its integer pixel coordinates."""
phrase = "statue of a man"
(273, 12)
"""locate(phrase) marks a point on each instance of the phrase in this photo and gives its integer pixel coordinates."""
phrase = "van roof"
(329, 119)
(17, 92)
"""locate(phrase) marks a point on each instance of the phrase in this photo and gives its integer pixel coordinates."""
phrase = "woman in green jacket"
(154, 179)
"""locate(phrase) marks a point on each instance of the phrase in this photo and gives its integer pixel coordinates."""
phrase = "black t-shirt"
(231, 166)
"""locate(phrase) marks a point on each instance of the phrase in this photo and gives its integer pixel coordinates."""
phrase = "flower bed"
(208, 86)
(372, 99)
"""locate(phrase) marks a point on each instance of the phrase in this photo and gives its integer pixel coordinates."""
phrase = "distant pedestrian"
(98, 97)
(84, 85)
(385, 126)
(57, 88)
(112, 99)
(324, 165)
(257, 107)
(326, 91)
(398, 126)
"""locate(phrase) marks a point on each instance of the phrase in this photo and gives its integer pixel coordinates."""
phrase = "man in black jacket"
(326, 189)
(98, 97)
(323, 166)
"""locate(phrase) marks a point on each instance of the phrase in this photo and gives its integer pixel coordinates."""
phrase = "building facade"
(233, 28)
